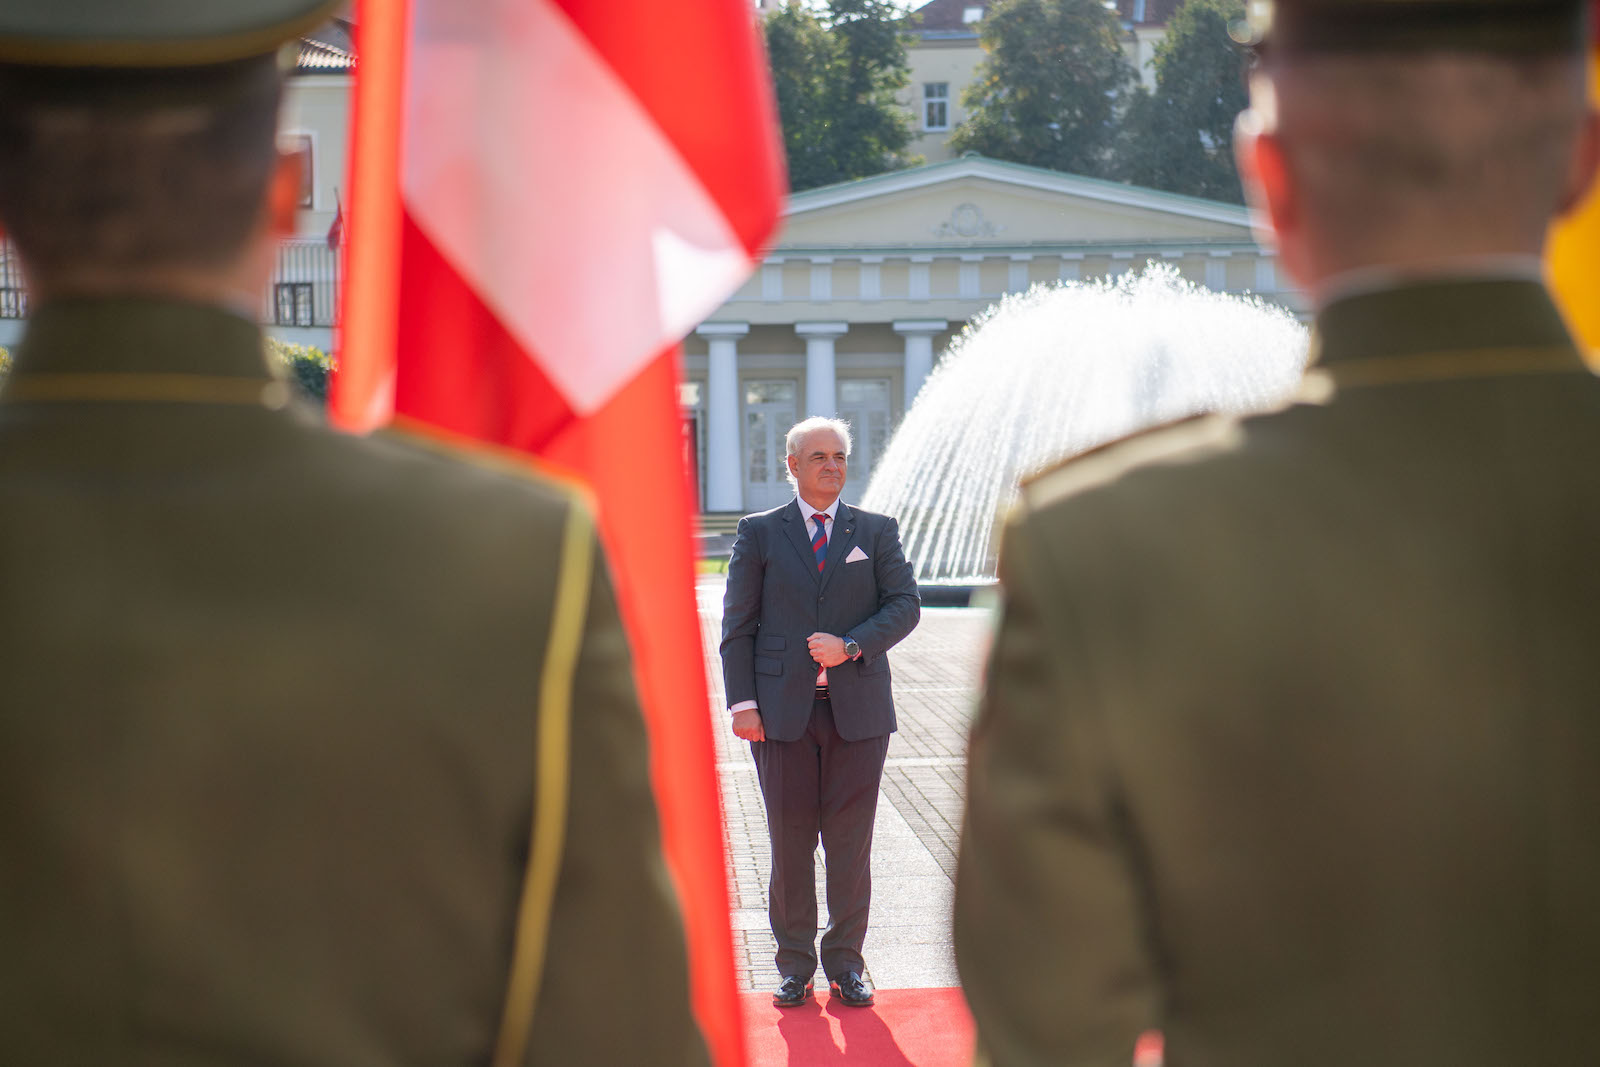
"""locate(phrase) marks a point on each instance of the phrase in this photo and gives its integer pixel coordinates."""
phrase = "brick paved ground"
(919, 811)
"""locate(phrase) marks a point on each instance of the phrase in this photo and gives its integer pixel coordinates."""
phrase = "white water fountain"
(1058, 370)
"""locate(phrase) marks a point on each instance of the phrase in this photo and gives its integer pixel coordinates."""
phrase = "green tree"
(1047, 93)
(306, 367)
(1180, 137)
(836, 74)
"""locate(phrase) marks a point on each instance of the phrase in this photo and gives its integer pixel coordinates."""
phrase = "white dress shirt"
(806, 510)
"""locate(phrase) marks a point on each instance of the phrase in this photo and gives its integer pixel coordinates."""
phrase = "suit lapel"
(794, 524)
(843, 539)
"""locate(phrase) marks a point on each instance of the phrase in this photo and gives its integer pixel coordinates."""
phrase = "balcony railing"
(305, 285)
(304, 290)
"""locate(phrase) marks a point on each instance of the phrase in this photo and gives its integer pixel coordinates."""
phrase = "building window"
(300, 143)
(292, 304)
(936, 105)
(13, 299)
(969, 15)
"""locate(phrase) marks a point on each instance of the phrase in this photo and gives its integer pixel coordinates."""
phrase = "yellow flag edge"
(1574, 259)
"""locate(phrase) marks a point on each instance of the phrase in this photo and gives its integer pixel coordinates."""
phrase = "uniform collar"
(140, 335)
(1440, 315)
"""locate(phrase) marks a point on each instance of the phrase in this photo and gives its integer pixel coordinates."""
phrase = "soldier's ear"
(1264, 172)
(1585, 163)
(1278, 211)
(283, 193)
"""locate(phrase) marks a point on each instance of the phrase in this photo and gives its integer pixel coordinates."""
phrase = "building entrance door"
(769, 411)
(864, 404)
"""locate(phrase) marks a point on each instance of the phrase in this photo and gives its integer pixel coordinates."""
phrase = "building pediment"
(977, 202)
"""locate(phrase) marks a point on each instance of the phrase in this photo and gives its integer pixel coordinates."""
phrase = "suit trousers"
(821, 785)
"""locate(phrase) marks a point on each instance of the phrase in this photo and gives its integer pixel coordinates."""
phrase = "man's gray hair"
(797, 435)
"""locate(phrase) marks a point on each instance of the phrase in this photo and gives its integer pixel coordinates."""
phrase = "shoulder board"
(483, 454)
(1181, 439)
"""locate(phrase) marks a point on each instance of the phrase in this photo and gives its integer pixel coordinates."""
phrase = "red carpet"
(904, 1028)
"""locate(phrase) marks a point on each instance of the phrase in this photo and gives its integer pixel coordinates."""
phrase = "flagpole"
(362, 393)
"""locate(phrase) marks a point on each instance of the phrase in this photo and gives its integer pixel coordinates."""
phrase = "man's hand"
(747, 724)
(827, 649)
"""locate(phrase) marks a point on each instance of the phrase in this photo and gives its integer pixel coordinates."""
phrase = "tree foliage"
(1180, 137)
(836, 75)
(1047, 93)
(307, 368)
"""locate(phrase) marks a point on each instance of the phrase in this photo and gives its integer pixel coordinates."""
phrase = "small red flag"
(336, 230)
(548, 195)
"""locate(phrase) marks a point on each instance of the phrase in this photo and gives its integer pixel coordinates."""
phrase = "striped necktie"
(819, 540)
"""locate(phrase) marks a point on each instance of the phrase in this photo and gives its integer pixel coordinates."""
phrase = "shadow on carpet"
(905, 1028)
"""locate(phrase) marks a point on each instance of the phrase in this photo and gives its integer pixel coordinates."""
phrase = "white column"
(920, 285)
(1017, 275)
(1266, 274)
(1217, 271)
(821, 279)
(970, 263)
(724, 488)
(1071, 266)
(821, 396)
(919, 335)
(871, 277)
(772, 280)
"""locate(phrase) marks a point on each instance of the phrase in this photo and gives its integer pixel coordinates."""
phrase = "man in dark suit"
(818, 592)
(1289, 742)
(313, 750)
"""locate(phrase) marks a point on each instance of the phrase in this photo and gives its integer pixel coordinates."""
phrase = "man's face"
(819, 468)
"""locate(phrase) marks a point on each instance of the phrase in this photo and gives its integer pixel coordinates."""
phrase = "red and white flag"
(546, 196)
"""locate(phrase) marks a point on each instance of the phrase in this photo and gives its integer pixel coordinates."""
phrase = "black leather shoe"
(792, 992)
(849, 988)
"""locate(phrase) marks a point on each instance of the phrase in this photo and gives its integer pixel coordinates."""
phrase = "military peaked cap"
(151, 34)
(1508, 27)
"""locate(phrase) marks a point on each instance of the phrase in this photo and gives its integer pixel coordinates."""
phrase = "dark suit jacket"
(776, 599)
(270, 707)
(1291, 728)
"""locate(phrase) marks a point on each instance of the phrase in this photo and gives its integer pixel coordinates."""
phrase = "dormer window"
(969, 15)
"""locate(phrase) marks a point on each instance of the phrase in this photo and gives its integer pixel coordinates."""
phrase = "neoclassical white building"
(869, 281)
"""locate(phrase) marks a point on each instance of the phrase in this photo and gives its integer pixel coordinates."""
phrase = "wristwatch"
(851, 649)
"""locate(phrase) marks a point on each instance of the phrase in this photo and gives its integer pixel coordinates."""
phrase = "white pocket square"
(855, 554)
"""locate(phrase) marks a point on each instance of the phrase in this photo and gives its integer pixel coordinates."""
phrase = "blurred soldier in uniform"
(313, 750)
(1290, 735)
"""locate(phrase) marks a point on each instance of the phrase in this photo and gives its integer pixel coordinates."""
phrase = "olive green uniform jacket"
(283, 714)
(1291, 739)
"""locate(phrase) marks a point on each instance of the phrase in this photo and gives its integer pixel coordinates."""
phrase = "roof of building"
(948, 18)
(972, 165)
(327, 50)
(1147, 12)
(947, 15)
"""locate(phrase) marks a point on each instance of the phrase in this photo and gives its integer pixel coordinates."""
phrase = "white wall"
(318, 105)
